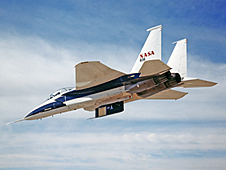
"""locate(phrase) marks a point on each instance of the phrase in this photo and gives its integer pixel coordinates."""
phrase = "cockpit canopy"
(56, 93)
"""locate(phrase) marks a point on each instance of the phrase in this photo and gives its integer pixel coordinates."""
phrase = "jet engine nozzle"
(177, 77)
(172, 81)
(148, 83)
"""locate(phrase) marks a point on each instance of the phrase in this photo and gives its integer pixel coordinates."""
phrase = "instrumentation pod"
(109, 109)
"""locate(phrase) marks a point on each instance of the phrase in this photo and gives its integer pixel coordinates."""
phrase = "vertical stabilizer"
(151, 49)
(178, 63)
(178, 58)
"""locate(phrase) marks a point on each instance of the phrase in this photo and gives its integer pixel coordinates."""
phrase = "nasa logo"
(143, 56)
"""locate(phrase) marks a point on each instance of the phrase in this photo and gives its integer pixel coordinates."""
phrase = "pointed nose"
(32, 113)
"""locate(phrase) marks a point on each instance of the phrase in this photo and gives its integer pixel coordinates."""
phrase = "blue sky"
(40, 43)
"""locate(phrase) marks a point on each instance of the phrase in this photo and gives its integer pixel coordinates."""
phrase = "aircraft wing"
(152, 67)
(167, 94)
(92, 73)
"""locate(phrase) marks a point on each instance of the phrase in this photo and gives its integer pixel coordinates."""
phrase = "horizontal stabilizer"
(92, 73)
(152, 67)
(167, 94)
(189, 83)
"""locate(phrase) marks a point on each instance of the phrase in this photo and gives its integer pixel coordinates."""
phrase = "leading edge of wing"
(92, 73)
(167, 95)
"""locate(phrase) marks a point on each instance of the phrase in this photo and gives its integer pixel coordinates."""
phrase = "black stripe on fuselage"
(118, 82)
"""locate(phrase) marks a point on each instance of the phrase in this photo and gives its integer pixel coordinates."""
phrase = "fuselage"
(125, 88)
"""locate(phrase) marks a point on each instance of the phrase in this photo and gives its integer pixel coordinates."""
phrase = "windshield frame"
(60, 91)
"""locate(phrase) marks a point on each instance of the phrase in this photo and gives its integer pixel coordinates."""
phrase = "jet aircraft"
(104, 90)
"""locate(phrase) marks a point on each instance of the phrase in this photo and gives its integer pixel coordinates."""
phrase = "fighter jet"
(105, 91)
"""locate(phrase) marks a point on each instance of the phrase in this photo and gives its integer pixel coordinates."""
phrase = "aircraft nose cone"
(33, 112)
(29, 114)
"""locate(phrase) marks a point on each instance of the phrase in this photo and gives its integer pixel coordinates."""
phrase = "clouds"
(27, 69)
(129, 145)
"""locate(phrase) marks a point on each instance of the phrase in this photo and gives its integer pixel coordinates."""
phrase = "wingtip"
(214, 83)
